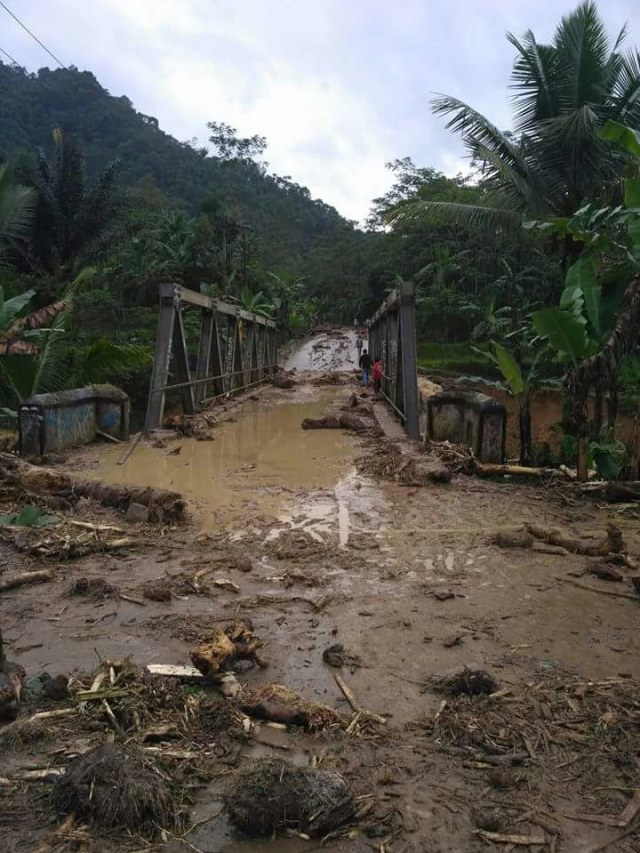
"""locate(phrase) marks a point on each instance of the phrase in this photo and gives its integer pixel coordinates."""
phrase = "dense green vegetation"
(522, 270)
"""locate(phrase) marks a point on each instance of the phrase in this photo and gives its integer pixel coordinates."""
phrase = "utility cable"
(33, 36)
(9, 57)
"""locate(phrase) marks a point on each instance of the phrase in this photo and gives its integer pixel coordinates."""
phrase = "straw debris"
(116, 787)
(274, 796)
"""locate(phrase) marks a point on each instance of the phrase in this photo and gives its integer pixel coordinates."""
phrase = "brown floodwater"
(261, 461)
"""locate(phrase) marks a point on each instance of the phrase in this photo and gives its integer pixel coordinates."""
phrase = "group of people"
(368, 365)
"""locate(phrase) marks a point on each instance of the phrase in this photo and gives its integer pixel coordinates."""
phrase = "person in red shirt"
(377, 375)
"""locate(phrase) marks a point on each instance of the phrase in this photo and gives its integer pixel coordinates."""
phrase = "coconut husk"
(275, 795)
(113, 787)
(277, 703)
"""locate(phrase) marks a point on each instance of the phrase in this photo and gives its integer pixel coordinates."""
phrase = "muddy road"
(409, 581)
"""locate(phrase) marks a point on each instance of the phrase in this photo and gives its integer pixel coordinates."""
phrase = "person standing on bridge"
(365, 365)
(377, 374)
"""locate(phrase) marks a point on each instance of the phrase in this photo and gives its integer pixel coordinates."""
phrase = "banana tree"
(38, 354)
(589, 333)
(520, 381)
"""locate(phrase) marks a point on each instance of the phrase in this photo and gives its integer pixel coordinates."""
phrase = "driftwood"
(489, 469)
(613, 544)
(353, 423)
(26, 578)
(11, 677)
(590, 588)
(351, 699)
(38, 480)
(277, 703)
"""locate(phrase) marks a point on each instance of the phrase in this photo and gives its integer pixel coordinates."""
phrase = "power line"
(9, 57)
(33, 36)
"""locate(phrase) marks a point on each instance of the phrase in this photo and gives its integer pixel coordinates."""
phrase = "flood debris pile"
(466, 681)
(65, 540)
(190, 426)
(458, 458)
(387, 461)
(593, 727)
(283, 379)
(114, 787)
(275, 795)
(331, 377)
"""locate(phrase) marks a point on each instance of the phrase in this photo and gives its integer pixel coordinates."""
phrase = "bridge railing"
(236, 350)
(392, 338)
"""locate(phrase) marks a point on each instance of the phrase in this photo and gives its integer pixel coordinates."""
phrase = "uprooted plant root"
(236, 642)
(93, 588)
(113, 787)
(465, 681)
(274, 796)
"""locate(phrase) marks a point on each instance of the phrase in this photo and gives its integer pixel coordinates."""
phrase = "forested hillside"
(286, 219)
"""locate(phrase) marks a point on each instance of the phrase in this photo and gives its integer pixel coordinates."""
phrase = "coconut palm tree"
(555, 159)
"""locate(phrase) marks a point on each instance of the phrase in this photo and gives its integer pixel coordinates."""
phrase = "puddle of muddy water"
(256, 464)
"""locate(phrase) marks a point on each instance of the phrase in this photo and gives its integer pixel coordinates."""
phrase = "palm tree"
(556, 158)
(72, 216)
(16, 208)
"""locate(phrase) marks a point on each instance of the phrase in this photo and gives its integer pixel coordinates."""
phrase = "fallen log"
(590, 588)
(489, 469)
(39, 480)
(26, 578)
(613, 544)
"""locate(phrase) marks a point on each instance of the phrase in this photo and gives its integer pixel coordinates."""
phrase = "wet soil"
(336, 557)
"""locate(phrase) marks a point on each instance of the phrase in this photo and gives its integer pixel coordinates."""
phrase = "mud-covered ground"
(408, 580)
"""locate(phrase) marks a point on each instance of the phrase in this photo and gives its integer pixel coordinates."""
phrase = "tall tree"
(556, 158)
(16, 209)
(72, 216)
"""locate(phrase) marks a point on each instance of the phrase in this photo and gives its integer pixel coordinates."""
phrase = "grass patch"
(457, 358)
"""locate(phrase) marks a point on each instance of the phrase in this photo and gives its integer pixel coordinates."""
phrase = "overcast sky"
(338, 87)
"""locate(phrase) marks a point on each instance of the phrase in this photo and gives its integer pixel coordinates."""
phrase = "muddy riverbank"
(409, 581)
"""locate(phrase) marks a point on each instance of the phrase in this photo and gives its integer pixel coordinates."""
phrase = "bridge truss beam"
(236, 349)
(392, 338)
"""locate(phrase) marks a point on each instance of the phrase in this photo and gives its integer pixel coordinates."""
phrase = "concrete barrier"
(470, 418)
(63, 419)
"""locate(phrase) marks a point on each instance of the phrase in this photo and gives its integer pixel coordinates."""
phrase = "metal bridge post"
(160, 370)
(409, 360)
(392, 338)
(207, 329)
(181, 358)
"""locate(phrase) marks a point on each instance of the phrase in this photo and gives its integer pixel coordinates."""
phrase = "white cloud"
(337, 86)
